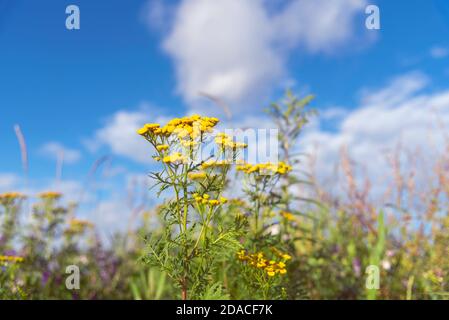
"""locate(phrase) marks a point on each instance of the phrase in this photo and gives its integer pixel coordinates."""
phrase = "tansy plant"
(193, 243)
(10, 203)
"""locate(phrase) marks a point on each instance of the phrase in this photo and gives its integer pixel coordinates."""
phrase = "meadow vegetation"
(283, 236)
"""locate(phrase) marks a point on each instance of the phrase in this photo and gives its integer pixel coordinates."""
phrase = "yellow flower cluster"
(162, 147)
(50, 195)
(10, 196)
(149, 128)
(12, 259)
(265, 168)
(80, 223)
(204, 199)
(258, 260)
(287, 215)
(280, 254)
(191, 126)
(174, 158)
(215, 163)
(224, 141)
(196, 175)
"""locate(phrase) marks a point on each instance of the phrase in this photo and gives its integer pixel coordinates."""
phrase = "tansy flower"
(196, 175)
(215, 163)
(12, 259)
(286, 257)
(79, 226)
(80, 222)
(174, 158)
(162, 147)
(50, 195)
(191, 126)
(9, 197)
(258, 260)
(265, 168)
(223, 200)
(189, 143)
(142, 131)
(214, 202)
(271, 272)
(288, 215)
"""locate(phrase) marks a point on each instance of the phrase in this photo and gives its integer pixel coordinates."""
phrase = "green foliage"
(285, 236)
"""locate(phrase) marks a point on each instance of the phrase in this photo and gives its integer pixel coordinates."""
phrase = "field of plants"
(281, 235)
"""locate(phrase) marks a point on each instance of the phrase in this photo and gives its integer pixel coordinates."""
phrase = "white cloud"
(439, 52)
(238, 50)
(119, 134)
(321, 25)
(55, 150)
(398, 115)
(8, 181)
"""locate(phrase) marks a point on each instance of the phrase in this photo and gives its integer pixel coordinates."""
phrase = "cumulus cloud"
(119, 134)
(56, 150)
(8, 181)
(439, 52)
(238, 50)
(400, 114)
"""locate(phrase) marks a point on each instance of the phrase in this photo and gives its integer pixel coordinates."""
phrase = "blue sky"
(136, 58)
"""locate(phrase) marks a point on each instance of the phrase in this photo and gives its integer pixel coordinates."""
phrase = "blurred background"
(71, 100)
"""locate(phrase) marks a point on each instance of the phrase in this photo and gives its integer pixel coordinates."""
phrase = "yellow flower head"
(174, 158)
(191, 126)
(214, 202)
(287, 215)
(223, 200)
(11, 259)
(258, 261)
(50, 195)
(265, 168)
(196, 175)
(162, 147)
(8, 197)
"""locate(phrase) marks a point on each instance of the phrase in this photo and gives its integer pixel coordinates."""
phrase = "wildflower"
(214, 202)
(50, 195)
(286, 257)
(162, 147)
(142, 131)
(191, 126)
(280, 254)
(271, 273)
(196, 175)
(224, 141)
(288, 215)
(75, 223)
(223, 200)
(12, 259)
(265, 168)
(9, 197)
(188, 143)
(152, 126)
(174, 158)
(258, 260)
(215, 163)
